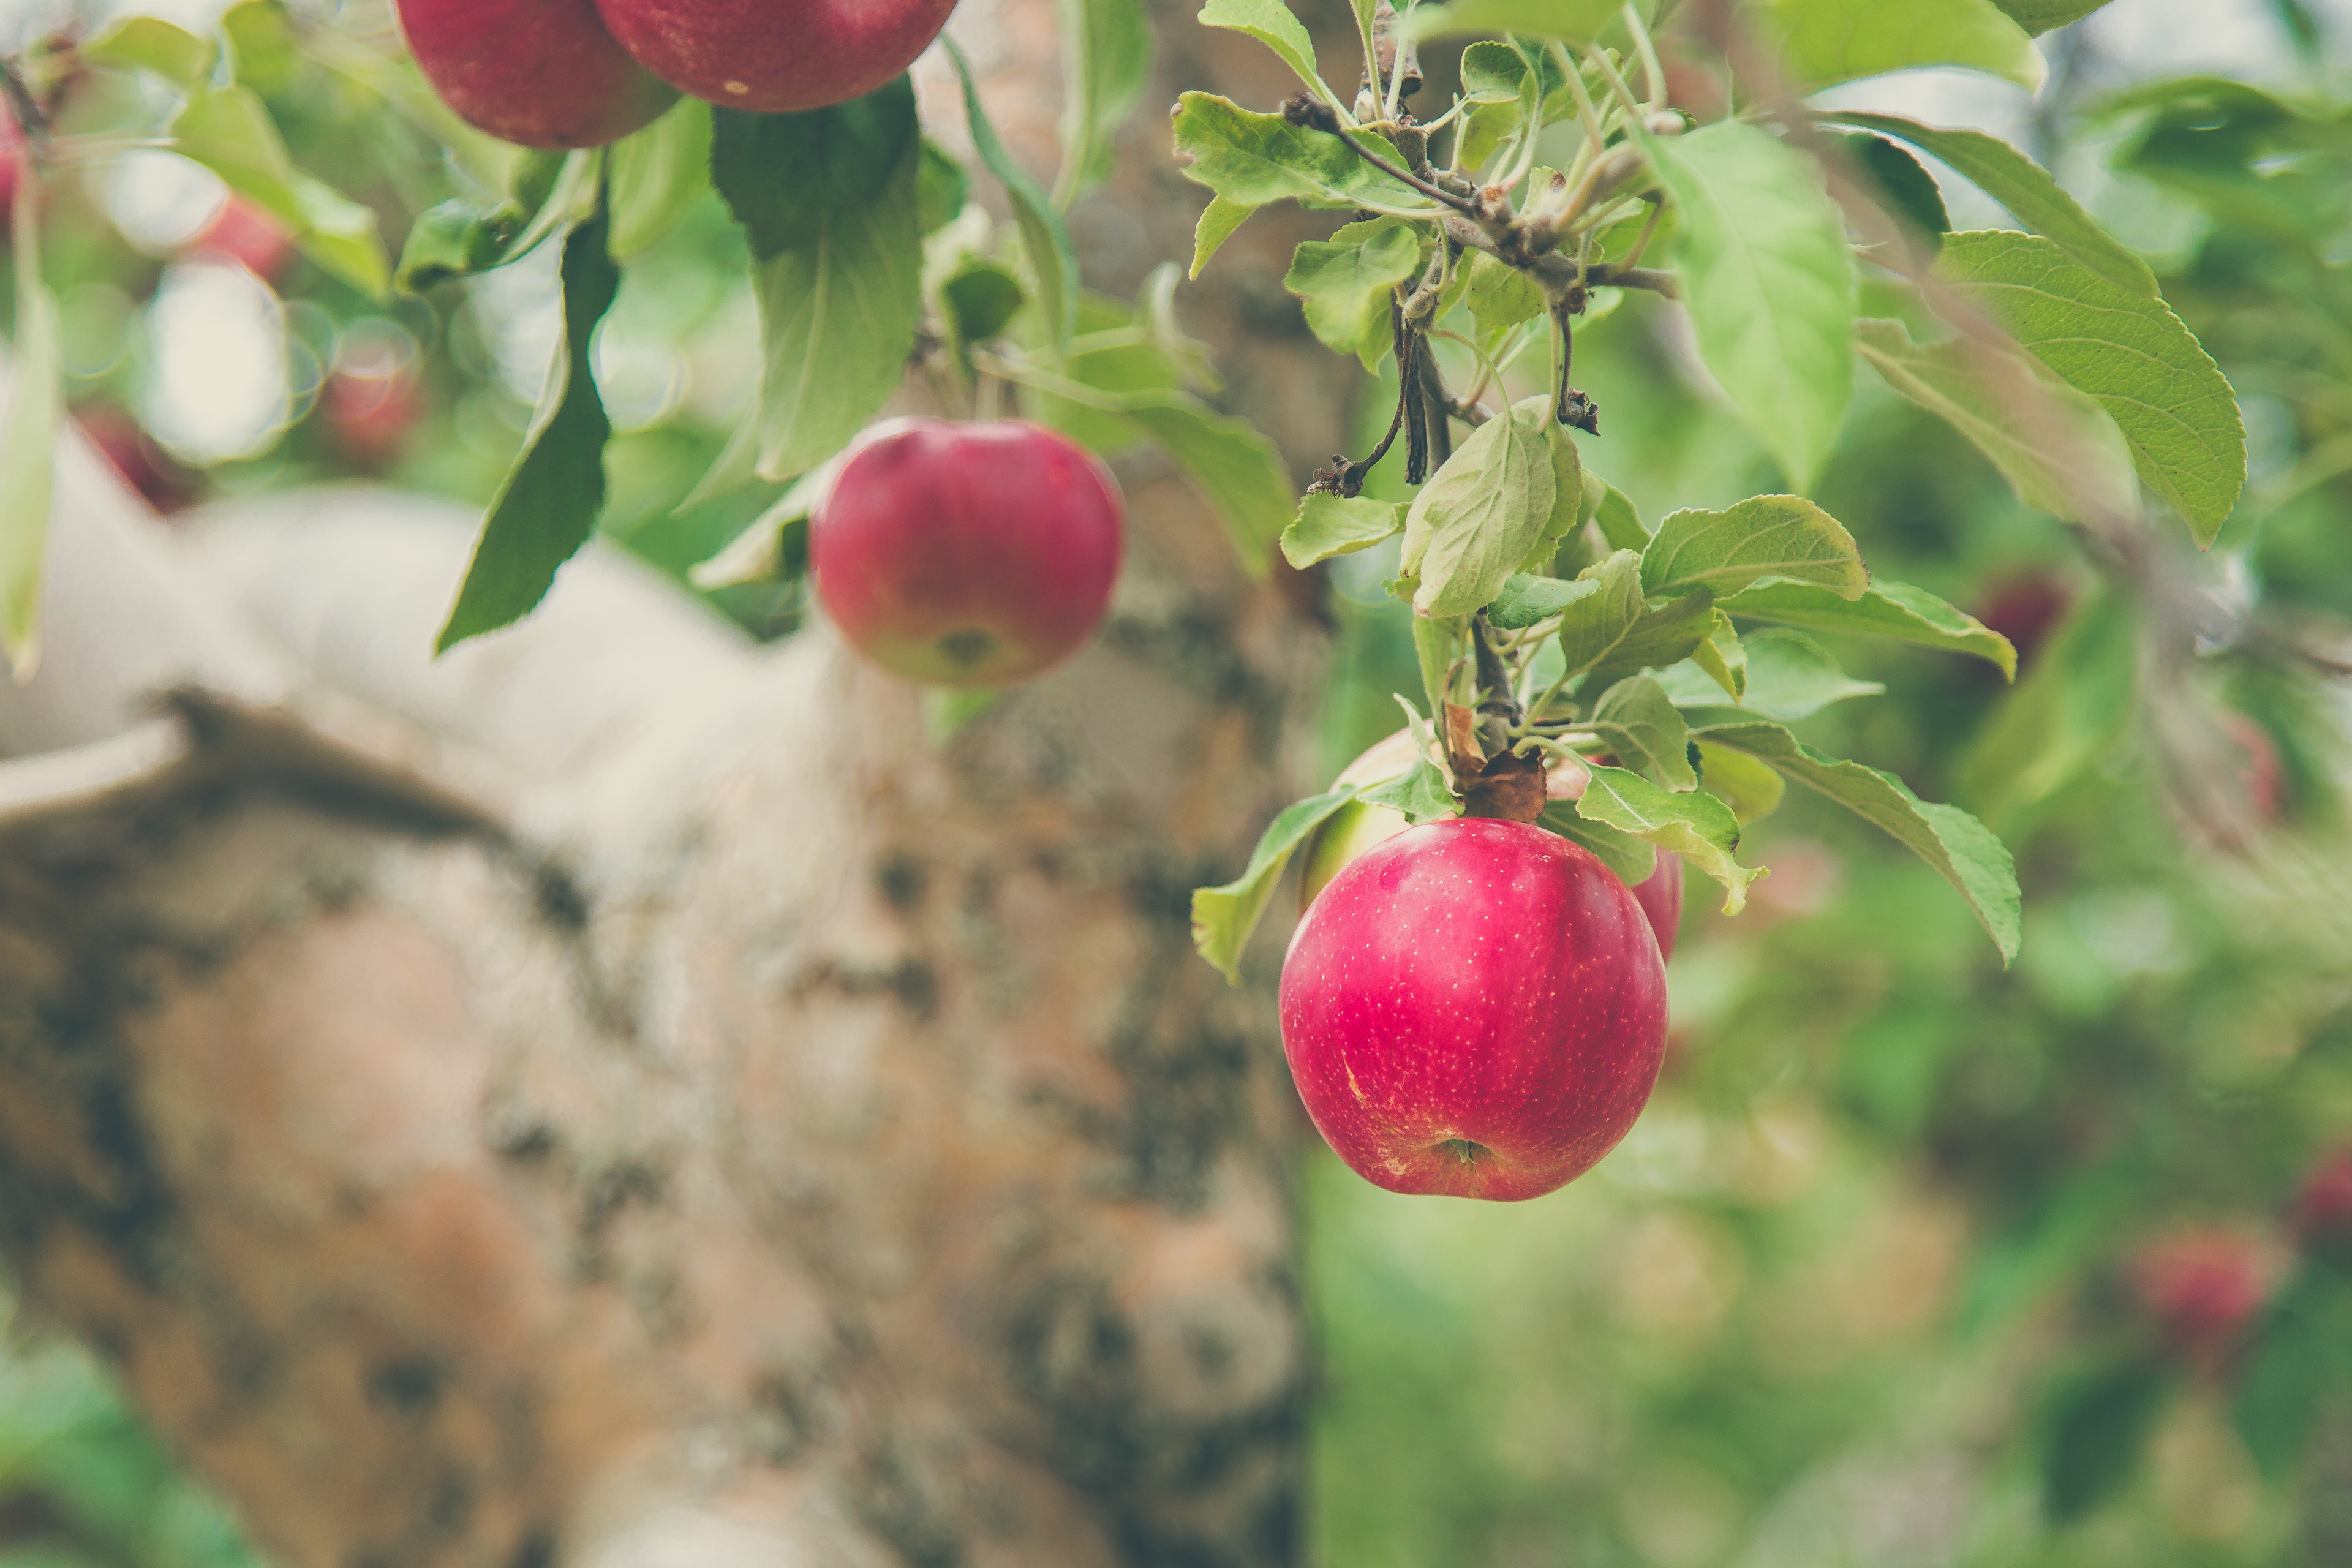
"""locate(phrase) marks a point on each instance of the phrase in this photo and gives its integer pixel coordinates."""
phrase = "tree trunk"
(619, 1096)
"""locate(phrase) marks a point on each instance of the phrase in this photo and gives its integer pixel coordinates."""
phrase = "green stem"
(1653, 76)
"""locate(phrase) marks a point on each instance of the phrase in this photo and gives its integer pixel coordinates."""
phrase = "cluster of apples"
(580, 73)
(1472, 1008)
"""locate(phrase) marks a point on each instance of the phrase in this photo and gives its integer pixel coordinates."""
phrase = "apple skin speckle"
(1476, 1008)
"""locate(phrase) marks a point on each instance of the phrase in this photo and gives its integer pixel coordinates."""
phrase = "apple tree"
(696, 984)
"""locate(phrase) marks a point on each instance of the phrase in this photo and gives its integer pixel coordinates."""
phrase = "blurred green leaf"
(980, 298)
(1419, 793)
(28, 437)
(229, 132)
(827, 200)
(2075, 466)
(1902, 184)
(656, 173)
(1218, 221)
(547, 505)
(2097, 1428)
(150, 44)
(2039, 16)
(1044, 238)
(1593, 627)
(1788, 678)
(1619, 522)
(1525, 600)
(1570, 21)
(2025, 188)
(1768, 281)
(940, 188)
(1105, 64)
(2130, 353)
(2070, 712)
(1827, 41)
(1750, 788)
(263, 52)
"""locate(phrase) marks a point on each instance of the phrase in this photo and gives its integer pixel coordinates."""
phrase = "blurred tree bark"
(620, 1095)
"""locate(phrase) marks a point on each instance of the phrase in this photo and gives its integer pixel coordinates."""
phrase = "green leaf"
(1526, 599)
(1223, 918)
(1751, 789)
(2025, 188)
(2098, 1427)
(1768, 279)
(1218, 221)
(548, 504)
(1697, 827)
(1723, 658)
(1828, 41)
(1477, 519)
(1592, 628)
(1663, 635)
(1789, 678)
(1105, 64)
(28, 437)
(1253, 159)
(2075, 466)
(827, 201)
(1348, 281)
(1044, 238)
(1619, 522)
(1419, 793)
(153, 44)
(229, 132)
(980, 298)
(1271, 24)
(1570, 21)
(1646, 731)
(1901, 182)
(263, 54)
(1436, 645)
(2130, 352)
(1631, 860)
(1500, 296)
(457, 238)
(941, 189)
(2300, 1361)
(1885, 609)
(1950, 840)
(656, 173)
(1763, 536)
(2038, 17)
(1329, 525)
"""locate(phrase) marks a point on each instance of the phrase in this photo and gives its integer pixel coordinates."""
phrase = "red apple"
(2202, 1285)
(245, 233)
(773, 58)
(543, 73)
(2322, 1209)
(1660, 894)
(2024, 610)
(1474, 1008)
(13, 155)
(967, 554)
(369, 412)
(133, 454)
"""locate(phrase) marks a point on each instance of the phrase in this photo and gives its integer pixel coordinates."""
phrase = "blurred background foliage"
(1912, 1260)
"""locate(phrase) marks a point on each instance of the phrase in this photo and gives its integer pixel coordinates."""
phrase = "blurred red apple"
(1660, 894)
(2024, 609)
(369, 415)
(13, 155)
(2259, 773)
(2202, 1285)
(543, 73)
(245, 233)
(967, 554)
(2322, 1209)
(1474, 1008)
(771, 57)
(133, 454)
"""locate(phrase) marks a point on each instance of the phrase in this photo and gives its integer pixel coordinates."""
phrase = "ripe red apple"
(967, 554)
(773, 58)
(543, 73)
(1474, 1008)
(2202, 1285)
(245, 233)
